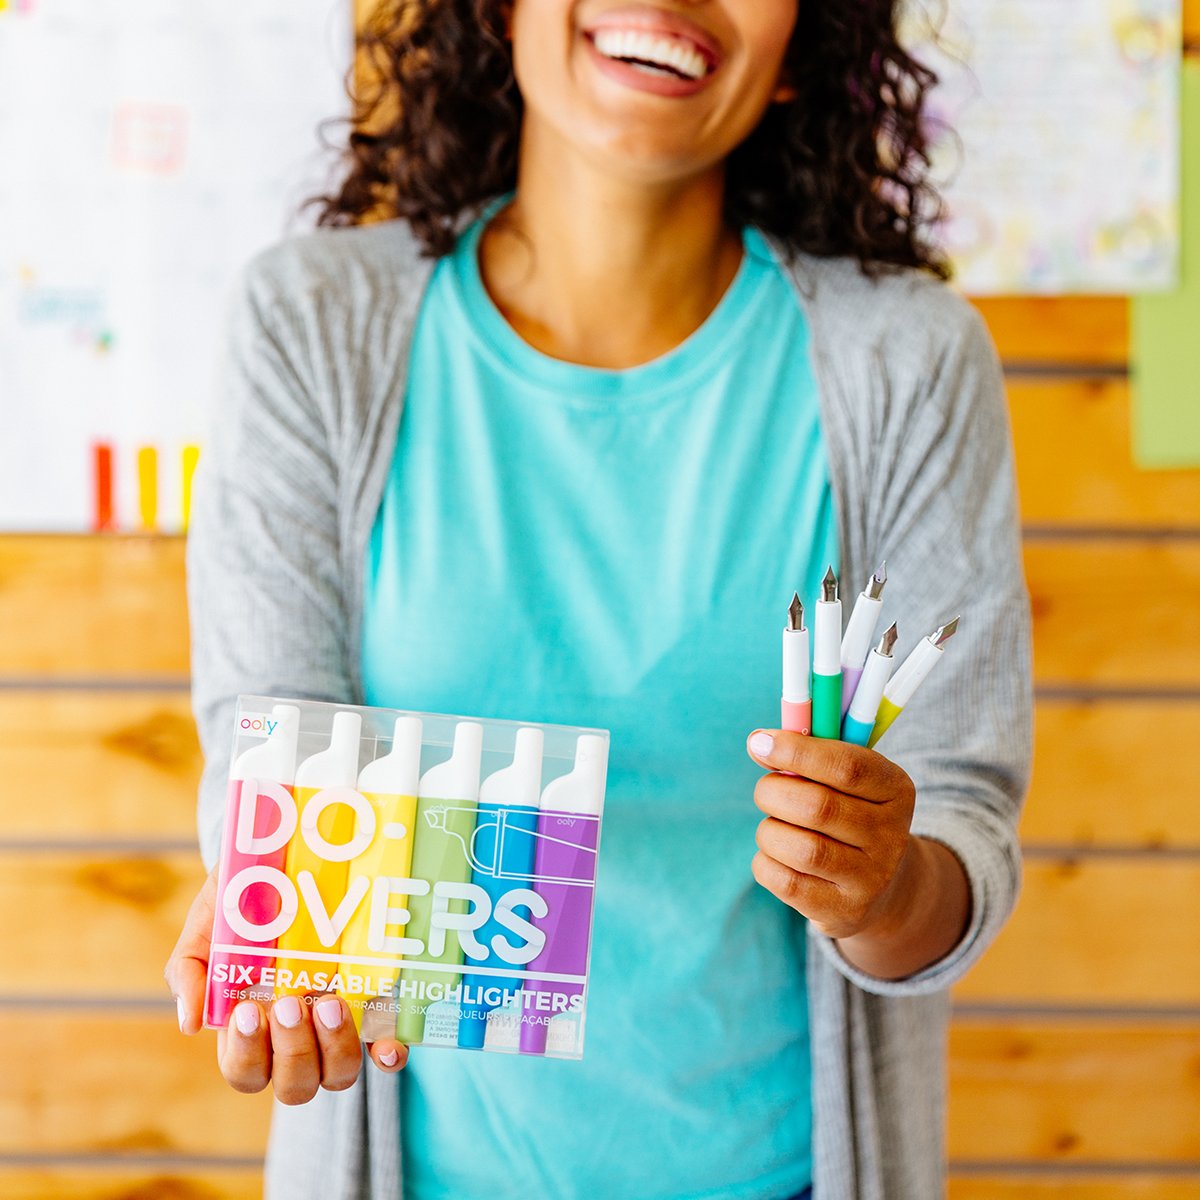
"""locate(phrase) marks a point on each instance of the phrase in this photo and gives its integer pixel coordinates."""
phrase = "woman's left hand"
(835, 844)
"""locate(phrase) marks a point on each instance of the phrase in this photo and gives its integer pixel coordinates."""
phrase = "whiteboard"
(148, 148)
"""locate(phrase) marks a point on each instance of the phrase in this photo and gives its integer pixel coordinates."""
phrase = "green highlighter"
(447, 798)
(827, 662)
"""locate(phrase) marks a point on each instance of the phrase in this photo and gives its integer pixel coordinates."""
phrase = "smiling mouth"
(655, 53)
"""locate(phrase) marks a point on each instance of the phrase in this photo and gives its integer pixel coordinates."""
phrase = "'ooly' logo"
(256, 725)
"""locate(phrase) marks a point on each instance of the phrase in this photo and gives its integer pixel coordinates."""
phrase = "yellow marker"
(321, 776)
(191, 455)
(147, 468)
(389, 785)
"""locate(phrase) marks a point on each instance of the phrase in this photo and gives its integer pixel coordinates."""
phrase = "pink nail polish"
(390, 1059)
(762, 744)
(287, 1012)
(181, 1012)
(245, 1017)
(329, 1013)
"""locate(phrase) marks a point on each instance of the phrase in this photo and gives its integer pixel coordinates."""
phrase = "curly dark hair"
(843, 169)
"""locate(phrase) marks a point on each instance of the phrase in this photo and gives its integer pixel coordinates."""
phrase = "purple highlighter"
(564, 875)
(860, 634)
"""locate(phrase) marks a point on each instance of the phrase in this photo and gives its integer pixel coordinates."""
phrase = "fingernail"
(762, 744)
(390, 1059)
(287, 1012)
(182, 1012)
(245, 1016)
(329, 1013)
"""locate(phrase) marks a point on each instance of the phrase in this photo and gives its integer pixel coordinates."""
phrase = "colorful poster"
(1059, 151)
(150, 147)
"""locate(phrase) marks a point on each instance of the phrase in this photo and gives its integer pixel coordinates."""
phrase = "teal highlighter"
(501, 852)
(864, 707)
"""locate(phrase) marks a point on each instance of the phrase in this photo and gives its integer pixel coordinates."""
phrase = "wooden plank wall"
(1075, 1049)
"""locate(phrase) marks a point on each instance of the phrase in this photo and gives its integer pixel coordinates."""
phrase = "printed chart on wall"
(1064, 173)
(150, 147)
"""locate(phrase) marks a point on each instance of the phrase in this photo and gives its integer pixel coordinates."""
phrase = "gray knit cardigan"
(301, 439)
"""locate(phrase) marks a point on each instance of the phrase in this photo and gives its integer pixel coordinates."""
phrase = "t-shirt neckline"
(671, 371)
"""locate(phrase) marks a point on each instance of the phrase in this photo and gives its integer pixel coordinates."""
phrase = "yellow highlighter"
(320, 882)
(389, 785)
(910, 675)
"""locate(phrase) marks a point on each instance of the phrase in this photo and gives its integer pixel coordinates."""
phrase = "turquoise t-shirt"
(571, 545)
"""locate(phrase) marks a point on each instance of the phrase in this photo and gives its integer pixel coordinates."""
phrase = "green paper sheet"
(1165, 331)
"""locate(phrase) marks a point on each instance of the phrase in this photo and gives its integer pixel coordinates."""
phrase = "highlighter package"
(436, 872)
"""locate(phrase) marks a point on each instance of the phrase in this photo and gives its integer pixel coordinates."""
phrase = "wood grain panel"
(1077, 330)
(1101, 777)
(1084, 1092)
(105, 764)
(1075, 464)
(114, 1182)
(81, 1083)
(1115, 613)
(100, 925)
(1097, 931)
(92, 606)
(1143, 1186)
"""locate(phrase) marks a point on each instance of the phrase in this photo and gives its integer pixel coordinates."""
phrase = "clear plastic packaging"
(437, 872)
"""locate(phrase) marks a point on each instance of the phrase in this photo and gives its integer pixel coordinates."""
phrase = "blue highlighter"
(501, 854)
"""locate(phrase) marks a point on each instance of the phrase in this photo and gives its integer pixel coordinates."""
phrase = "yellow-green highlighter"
(447, 799)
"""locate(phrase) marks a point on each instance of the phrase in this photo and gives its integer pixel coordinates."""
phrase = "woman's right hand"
(295, 1043)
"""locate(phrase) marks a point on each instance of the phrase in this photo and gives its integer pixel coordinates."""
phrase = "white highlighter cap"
(797, 666)
(458, 777)
(860, 633)
(274, 759)
(581, 791)
(876, 672)
(337, 766)
(397, 772)
(521, 781)
(912, 672)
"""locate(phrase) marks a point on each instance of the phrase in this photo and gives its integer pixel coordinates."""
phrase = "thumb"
(187, 968)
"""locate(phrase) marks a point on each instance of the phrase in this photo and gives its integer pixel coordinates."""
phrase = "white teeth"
(651, 48)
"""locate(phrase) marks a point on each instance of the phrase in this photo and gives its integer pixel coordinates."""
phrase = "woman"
(650, 338)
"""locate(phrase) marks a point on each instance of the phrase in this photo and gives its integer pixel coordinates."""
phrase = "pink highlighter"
(257, 772)
(564, 875)
(796, 705)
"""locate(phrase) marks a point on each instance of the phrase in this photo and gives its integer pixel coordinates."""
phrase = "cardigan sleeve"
(266, 605)
(940, 506)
